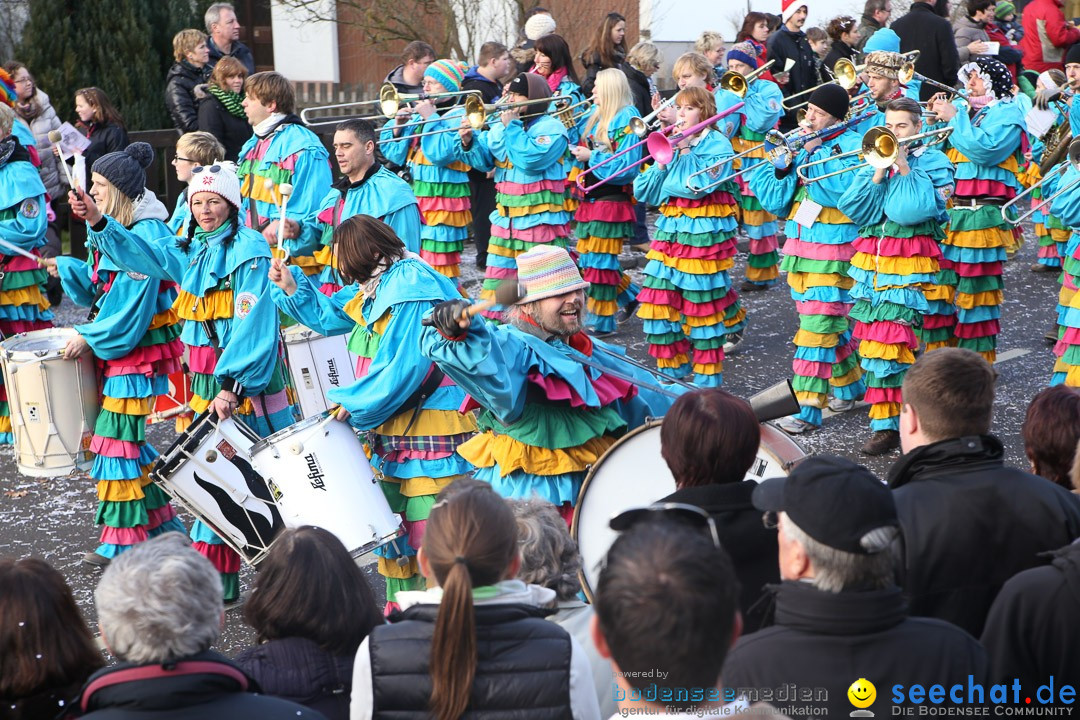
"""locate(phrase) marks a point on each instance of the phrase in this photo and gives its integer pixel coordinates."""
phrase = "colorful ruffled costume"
(984, 152)
(570, 89)
(1067, 349)
(381, 194)
(290, 153)
(817, 259)
(224, 287)
(1051, 233)
(441, 184)
(605, 220)
(687, 301)
(23, 306)
(412, 450)
(530, 185)
(135, 337)
(896, 256)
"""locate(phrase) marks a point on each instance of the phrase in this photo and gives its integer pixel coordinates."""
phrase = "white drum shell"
(319, 475)
(53, 402)
(317, 364)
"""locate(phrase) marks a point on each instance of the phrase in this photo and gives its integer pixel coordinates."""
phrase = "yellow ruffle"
(895, 265)
(1072, 376)
(128, 406)
(939, 292)
(354, 307)
(810, 398)
(704, 211)
(800, 282)
(257, 190)
(168, 317)
(1008, 165)
(740, 145)
(5, 423)
(429, 422)
(874, 349)
(884, 410)
(388, 567)
(488, 449)
(1040, 229)
(504, 164)
(602, 307)
(1066, 295)
(450, 271)
(805, 338)
(708, 368)
(648, 311)
(940, 344)
(828, 216)
(847, 378)
(755, 274)
(1060, 235)
(119, 490)
(325, 256)
(756, 217)
(989, 356)
(989, 297)
(703, 321)
(495, 248)
(451, 218)
(1030, 176)
(672, 362)
(307, 263)
(30, 295)
(421, 486)
(608, 246)
(692, 266)
(515, 212)
(217, 304)
(736, 318)
(199, 404)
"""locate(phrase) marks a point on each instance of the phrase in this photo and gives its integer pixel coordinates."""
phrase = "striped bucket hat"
(546, 271)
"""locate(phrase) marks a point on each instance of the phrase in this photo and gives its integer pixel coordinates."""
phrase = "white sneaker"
(732, 341)
(794, 425)
(841, 406)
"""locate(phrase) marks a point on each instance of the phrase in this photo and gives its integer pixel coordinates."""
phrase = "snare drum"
(317, 364)
(53, 402)
(632, 473)
(209, 470)
(319, 475)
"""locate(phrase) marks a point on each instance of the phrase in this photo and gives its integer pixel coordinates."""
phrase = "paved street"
(53, 518)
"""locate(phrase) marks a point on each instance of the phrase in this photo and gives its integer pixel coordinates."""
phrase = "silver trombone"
(879, 149)
(1073, 162)
(845, 74)
(389, 102)
(907, 74)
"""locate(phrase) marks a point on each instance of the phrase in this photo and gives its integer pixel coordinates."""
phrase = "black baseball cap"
(833, 500)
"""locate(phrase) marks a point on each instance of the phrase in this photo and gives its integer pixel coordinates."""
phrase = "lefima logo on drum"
(315, 472)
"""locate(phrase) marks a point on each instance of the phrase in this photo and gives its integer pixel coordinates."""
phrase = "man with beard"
(552, 399)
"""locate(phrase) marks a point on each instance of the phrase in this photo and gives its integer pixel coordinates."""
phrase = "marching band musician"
(984, 146)
(439, 180)
(554, 63)
(882, 80)
(901, 211)
(688, 304)
(817, 259)
(1067, 348)
(552, 400)
(762, 109)
(605, 218)
(1051, 233)
(134, 334)
(23, 305)
(231, 326)
(365, 187)
(526, 148)
(408, 408)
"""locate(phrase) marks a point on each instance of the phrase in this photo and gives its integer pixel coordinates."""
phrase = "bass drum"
(632, 473)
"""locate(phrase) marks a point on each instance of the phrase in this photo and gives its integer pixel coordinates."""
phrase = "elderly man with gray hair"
(159, 610)
(839, 616)
(224, 31)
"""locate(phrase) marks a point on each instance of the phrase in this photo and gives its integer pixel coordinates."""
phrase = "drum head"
(39, 341)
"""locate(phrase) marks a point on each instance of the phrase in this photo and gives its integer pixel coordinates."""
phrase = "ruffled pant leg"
(976, 246)
(603, 226)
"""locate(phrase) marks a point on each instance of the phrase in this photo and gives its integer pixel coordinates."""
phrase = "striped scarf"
(229, 99)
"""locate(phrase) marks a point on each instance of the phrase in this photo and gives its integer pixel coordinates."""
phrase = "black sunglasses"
(687, 513)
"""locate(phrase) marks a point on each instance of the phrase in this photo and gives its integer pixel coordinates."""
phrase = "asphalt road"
(53, 518)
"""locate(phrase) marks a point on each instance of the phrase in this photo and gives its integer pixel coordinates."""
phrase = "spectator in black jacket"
(790, 43)
(642, 62)
(923, 29)
(224, 31)
(189, 70)
(408, 77)
(709, 440)
(311, 608)
(606, 50)
(875, 16)
(843, 34)
(840, 616)
(220, 111)
(970, 523)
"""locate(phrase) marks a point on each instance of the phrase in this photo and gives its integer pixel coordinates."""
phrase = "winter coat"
(239, 50)
(1033, 625)
(639, 89)
(104, 139)
(42, 119)
(867, 28)
(970, 523)
(215, 119)
(752, 547)
(180, 85)
(1046, 35)
(924, 30)
(784, 44)
(593, 65)
(396, 77)
(840, 50)
(828, 640)
(298, 670)
(965, 32)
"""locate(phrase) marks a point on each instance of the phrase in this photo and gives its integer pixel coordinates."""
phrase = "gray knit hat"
(126, 169)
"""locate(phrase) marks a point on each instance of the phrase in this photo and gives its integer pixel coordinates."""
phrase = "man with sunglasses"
(839, 615)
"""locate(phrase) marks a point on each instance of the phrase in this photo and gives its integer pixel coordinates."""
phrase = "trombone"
(845, 74)
(739, 83)
(477, 114)
(907, 74)
(640, 125)
(879, 149)
(1073, 162)
(389, 102)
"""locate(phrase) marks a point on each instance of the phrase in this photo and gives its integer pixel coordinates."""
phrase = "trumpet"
(845, 74)
(781, 148)
(660, 147)
(389, 102)
(739, 83)
(1073, 162)
(640, 125)
(879, 149)
(907, 74)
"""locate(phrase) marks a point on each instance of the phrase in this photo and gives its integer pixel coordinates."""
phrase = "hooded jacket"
(970, 523)
(1046, 35)
(397, 78)
(298, 670)
(967, 31)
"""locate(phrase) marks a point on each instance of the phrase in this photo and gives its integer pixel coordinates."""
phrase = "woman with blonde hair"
(605, 218)
(189, 70)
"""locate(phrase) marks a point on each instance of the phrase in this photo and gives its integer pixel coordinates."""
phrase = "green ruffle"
(125, 514)
(394, 498)
(889, 381)
(442, 247)
(540, 197)
(599, 229)
(230, 586)
(983, 344)
(665, 338)
(419, 508)
(710, 343)
(980, 284)
(556, 426)
(708, 239)
(156, 497)
(276, 173)
(809, 384)
(749, 202)
(747, 134)
(824, 324)
(598, 291)
(122, 427)
(160, 335)
(396, 585)
(440, 189)
(15, 280)
(4, 409)
(935, 335)
(867, 313)
(512, 243)
(1071, 356)
(894, 230)
(763, 261)
(845, 366)
(793, 263)
(363, 343)
(987, 216)
(1052, 222)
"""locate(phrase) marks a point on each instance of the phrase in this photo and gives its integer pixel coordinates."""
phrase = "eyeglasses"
(687, 513)
(181, 159)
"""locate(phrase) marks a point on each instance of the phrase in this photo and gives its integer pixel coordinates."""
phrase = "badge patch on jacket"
(543, 140)
(245, 303)
(30, 208)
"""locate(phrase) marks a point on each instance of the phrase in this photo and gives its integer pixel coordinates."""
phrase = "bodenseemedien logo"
(862, 694)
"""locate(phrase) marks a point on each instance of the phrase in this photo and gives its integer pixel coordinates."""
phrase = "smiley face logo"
(862, 693)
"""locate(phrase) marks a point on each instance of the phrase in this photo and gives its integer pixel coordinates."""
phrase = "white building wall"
(305, 50)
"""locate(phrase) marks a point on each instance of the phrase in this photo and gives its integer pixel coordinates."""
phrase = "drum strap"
(4, 260)
(416, 400)
(94, 307)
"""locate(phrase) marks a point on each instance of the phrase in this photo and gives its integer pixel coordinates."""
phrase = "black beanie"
(530, 85)
(1073, 55)
(831, 98)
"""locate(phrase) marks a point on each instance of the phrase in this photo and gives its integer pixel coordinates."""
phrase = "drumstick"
(507, 293)
(55, 138)
(286, 190)
(19, 251)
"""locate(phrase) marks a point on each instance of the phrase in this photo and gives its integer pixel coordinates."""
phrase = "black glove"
(447, 316)
(1043, 98)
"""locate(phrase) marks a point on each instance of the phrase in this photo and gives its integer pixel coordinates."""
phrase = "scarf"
(978, 102)
(554, 79)
(228, 98)
(29, 110)
(267, 126)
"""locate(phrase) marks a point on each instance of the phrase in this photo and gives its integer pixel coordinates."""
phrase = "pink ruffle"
(818, 307)
(611, 211)
(1071, 337)
(936, 322)
(363, 364)
(1048, 251)
(722, 251)
(159, 516)
(327, 215)
(977, 269)
(607, 388)
(289, 163)
(399, 456)
(986, 328)
(222, 557)
(415, 529)
(680, 347)
(882, 395)
(976, 188)
(512, 188)
(843, 351)
(150, 354)
(274, 403)
(544, 234)
(499, 273)
(807, 368)
(671, 298)
(432, 204)
(328, 289)
(818, 251)
(601, 277)
(760, 246)
(916, 246)
(111, 447)
(440, 259)
(201, 359)
(1069, 283)
(711, 355)
(886, 332)
(123, 536)
(18, 263)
